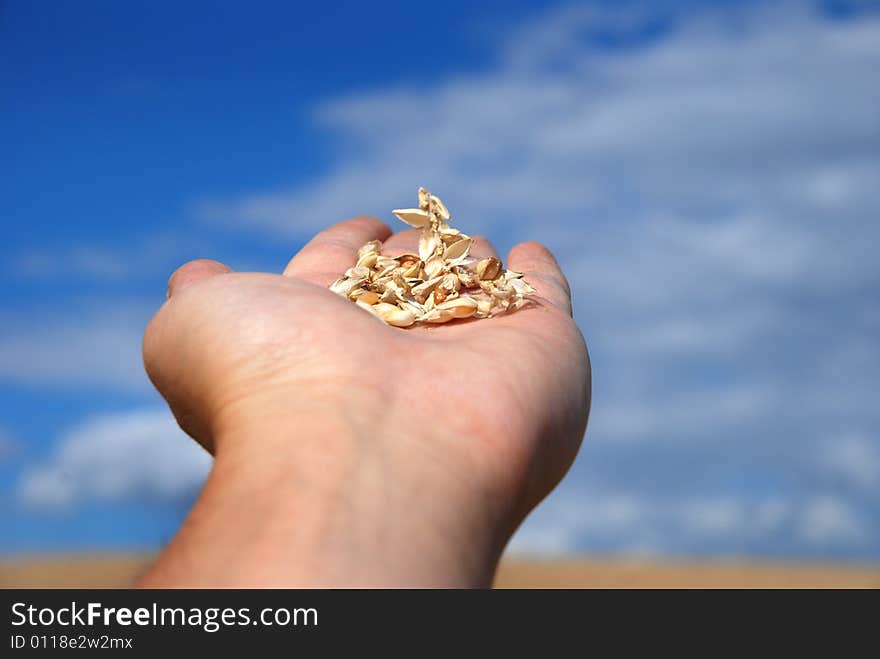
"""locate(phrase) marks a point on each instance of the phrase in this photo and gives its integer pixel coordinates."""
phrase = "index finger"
(334, 250)
(540, 269)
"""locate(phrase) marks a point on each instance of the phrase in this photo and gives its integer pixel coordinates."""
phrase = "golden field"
(116, 571)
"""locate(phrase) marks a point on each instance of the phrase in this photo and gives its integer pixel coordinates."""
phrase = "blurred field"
(115, 571)
(619, 574)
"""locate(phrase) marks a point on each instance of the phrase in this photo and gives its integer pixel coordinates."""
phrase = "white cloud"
(88, 260)
(638, 524)
(828, 520)
(855, 458)
(676, 415)
(87, 345)
(632, 523)
(714, 517)
(149, 256)
(562, 523)
(114, 457)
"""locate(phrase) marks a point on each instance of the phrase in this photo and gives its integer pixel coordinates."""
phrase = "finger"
(334, 250)
(402, 242)
(482, 248)
(540, 269)
(192, 272)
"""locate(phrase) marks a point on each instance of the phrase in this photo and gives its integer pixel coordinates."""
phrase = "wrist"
(318, 500)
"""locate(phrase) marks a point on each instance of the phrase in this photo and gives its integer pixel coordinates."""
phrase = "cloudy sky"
(706, 172)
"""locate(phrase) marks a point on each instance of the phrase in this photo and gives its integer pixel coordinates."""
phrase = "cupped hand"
(427, 436)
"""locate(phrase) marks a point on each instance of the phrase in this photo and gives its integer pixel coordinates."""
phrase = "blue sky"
(706, 173)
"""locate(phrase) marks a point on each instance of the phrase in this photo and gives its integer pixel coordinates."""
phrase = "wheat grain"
(443, 282)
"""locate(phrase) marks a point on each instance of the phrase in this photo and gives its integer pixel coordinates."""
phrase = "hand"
(349, 452)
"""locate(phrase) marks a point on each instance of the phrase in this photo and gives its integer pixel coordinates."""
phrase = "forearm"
(320, 503)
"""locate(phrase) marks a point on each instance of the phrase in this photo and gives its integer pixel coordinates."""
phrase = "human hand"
(349, 452)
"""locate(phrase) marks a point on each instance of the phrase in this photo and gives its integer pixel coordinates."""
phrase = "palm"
(483, 393)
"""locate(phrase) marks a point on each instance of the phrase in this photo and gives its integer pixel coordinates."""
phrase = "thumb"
(194, 271)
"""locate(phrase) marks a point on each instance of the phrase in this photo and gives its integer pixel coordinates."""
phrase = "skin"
(352, 453)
